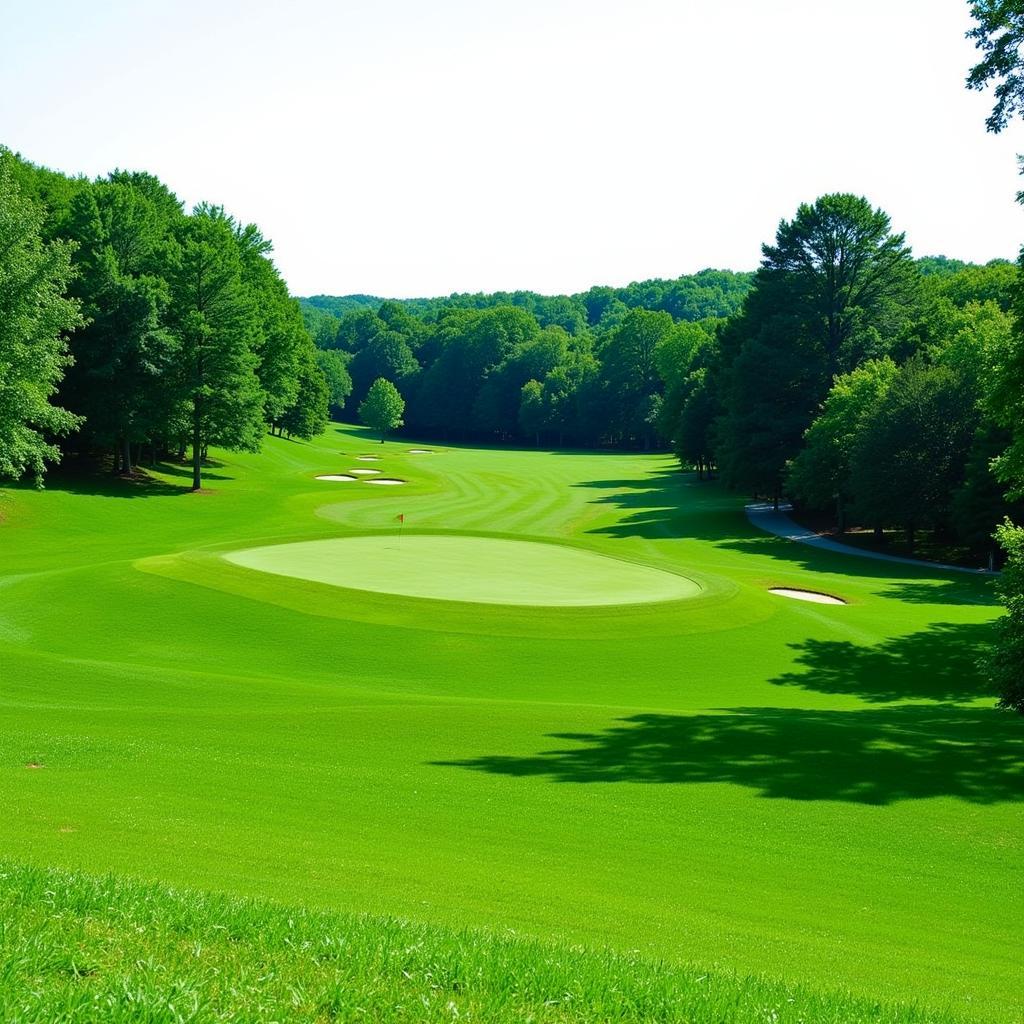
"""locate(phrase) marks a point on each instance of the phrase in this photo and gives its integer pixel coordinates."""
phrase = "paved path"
(764, 517)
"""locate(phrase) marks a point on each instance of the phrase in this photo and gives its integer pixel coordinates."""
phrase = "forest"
(871, 388)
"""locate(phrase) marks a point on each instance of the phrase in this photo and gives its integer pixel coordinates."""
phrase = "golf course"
(528, 696)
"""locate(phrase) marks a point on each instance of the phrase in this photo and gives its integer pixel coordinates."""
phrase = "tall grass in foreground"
(80, 948)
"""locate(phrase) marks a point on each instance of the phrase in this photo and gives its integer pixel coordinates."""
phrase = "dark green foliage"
(334, 366)
(909, 456)
(630, 373)
(382, 408)
(835, 288)
(980, 503)
(124, 355)
(998, 34)
(308, 415)
(386, 354)
(820, 475)
(178, 312)
(35, 319)
(214, 323)
(1006, 665)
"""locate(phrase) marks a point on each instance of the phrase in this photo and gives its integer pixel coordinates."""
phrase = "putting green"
(481, 569)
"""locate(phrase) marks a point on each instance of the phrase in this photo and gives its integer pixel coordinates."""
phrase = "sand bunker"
(368, 458)
(338, 478)
(480, 569)
(421, 451)
(806, 595)
(364, 472)
(388, 481)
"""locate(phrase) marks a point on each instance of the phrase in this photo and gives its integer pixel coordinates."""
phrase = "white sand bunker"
(483, 569)
(338, 478)
(364, 472)
(368, 458)
(388, 481)
(421, 451)
(806, 595)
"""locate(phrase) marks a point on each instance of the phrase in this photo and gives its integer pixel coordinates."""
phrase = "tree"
(531, 409)
(693, 440)
(334, 366)
(909, 456)
(1006, 664)
(836, 288)
(215, 326)
(307, 416)
(630, 372)
(998, 34)
(382, 408)
(388, 355)
(820, 474)
(35, 319)
(123, 355)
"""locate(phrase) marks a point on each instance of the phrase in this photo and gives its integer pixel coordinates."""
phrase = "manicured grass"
(477, 569)
(84, 948)
(821, 795)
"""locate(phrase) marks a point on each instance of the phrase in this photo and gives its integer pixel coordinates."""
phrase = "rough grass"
(820, 795)
(81, 948)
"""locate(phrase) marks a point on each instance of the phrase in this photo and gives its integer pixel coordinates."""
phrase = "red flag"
(401, 517)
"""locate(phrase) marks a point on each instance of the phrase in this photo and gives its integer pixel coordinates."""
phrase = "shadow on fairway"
(670, 504)
(78, 479)
(875, 756)
(938, 663)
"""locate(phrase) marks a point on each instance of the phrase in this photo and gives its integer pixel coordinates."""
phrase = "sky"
(406, 148)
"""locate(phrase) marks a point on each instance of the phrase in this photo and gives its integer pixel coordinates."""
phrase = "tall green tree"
(820, 474)
(836, 288)
(630, 372)
(215, 326)
(123, 356)
(910, 452)
(307, 416)
(382, 408)
(334, 366)
(35, 319)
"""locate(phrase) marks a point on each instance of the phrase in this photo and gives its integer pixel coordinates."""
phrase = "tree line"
(130, 327)
(859, 382)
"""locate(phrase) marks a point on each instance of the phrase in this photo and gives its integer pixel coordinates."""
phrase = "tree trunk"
(126, 456)
(879, 537)
(197, 451)
(840, 515)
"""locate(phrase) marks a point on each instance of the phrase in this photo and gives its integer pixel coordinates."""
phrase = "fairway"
(248, 691)
(483, 569)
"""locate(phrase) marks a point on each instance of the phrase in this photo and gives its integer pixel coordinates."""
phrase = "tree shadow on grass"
(93, 478)
(876, 756)
(184, 472)
(671, 504)
(104, 485)
(939, 663)
(668, 504)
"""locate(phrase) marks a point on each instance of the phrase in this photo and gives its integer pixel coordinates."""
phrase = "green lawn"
(822, 795)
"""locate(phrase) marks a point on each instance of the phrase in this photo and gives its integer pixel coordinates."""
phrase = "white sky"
(401, 147)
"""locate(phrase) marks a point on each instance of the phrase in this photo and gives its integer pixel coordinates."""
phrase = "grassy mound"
(81, 948)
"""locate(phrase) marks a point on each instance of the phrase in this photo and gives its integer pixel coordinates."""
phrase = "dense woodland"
(130, 327)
